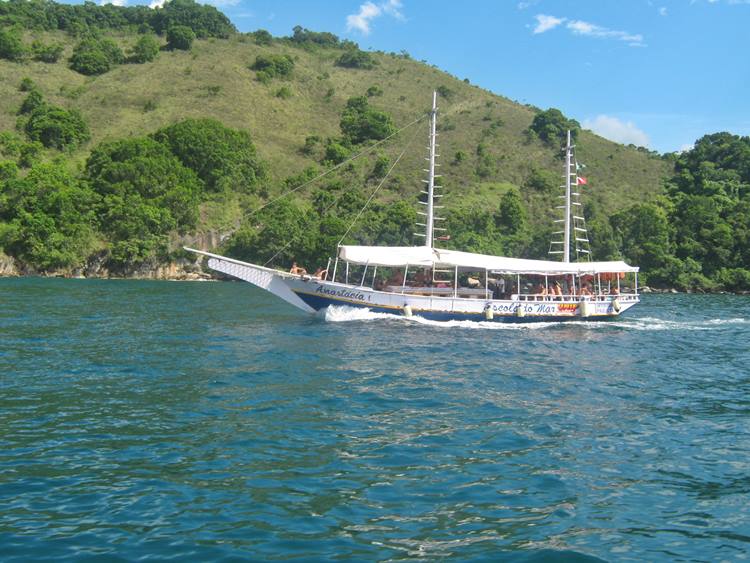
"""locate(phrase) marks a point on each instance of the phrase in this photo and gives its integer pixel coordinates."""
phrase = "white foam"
(343, 313)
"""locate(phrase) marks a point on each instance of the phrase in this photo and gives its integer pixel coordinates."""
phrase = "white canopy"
(422, 256)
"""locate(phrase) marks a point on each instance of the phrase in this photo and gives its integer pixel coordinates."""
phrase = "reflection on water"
(145, 419)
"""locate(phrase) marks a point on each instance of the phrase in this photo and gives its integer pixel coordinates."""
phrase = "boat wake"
(342, 313)
(652, 323)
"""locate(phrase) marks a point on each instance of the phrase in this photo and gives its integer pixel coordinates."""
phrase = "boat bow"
(260, 276)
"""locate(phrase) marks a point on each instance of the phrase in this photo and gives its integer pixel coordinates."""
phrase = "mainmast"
(430, 217)
(566, 239)
(574, 223)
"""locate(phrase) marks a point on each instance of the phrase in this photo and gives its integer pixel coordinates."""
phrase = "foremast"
(430, 192)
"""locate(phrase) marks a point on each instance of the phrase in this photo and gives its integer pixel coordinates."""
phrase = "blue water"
(203, 421)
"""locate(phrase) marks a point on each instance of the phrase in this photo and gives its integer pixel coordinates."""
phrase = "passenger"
(558, 291)
(320, 274)
(585, 291)
(397, 279)
(501, 288)
(297, 270)
(420, 279)
(540, 292)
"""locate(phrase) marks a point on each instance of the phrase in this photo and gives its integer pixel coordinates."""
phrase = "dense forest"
(101, 174)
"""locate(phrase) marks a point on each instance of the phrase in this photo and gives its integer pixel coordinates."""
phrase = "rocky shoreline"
(185, 270)
(180, 270)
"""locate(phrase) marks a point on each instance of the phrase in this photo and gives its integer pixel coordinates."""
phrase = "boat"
(444, 284)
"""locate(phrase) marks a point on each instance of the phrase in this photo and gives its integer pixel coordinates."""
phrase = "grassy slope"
(214, 81)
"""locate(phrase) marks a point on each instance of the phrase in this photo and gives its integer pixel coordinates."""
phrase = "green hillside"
(493, 167)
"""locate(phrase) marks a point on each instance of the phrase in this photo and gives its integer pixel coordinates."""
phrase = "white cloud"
(368, 11)
(663, 11)
(393, 8)
(523, 4)
(613, 129)
(156, 4)
(592, 30)
(545, 23)
(221, 3)
(361, 21)
(113, 2)
(686, 147)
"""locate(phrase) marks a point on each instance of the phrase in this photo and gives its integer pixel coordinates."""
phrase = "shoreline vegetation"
(185, 270)
(116, 150)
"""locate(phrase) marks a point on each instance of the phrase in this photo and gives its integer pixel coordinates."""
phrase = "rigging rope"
(356, 156)
(336, 199)
(372, 195)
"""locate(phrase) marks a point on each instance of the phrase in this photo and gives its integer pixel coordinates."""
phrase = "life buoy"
(616, 305)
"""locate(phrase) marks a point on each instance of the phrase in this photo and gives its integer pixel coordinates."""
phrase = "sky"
(658, 74)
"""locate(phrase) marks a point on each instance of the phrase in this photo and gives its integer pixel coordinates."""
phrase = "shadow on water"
(188, 420)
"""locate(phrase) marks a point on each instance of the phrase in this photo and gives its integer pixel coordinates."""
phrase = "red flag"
(582, 181)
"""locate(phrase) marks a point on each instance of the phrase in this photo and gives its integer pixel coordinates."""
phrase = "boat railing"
(574, 298)
(467, 292)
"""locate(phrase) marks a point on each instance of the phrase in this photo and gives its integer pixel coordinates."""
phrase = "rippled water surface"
(154, 420)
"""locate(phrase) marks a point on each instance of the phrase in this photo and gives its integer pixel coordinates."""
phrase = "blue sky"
(655, 73)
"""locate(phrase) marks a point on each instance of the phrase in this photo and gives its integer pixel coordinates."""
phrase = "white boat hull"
(310, 295)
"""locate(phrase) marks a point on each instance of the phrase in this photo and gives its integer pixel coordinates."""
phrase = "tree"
(223, 158)
(31, 102)
(145, 50)
(360, 122)
(551, 127)
(269, 232)
(272, 66)
(46, 53)
(50, 216)
(94, 56)
(303, 36)
(56, 127)
(11, 46)
(354, 58)
(511, 217)
(145, 193)
(262, 37)
(180, 37)
(645, 234)
(203, 20)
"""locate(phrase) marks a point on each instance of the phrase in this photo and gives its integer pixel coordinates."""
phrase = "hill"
(489, 153)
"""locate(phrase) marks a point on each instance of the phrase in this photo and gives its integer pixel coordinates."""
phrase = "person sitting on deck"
(297, 270)
(320, 274)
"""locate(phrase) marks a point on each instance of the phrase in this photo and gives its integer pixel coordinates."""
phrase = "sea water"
(209, 421)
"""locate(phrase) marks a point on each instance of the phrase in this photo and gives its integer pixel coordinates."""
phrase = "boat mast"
(566, 235)
(430, 192)
(430, 224)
